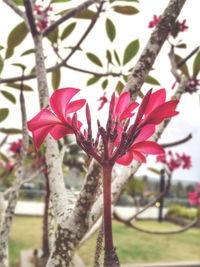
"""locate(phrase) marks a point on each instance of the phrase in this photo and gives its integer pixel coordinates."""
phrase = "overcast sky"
(127, 30)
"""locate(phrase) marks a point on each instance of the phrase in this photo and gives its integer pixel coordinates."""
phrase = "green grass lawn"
(132, 246)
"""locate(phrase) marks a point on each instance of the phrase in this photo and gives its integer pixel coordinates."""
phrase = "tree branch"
(19, 174)
(15, 8)
(182, 141)
(70, 14)
(156, 232)
(30, 17)
(150, 52)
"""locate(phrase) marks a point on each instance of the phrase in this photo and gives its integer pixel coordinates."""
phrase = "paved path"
(37, 209)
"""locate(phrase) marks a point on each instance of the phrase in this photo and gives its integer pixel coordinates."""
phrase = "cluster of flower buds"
(194, 197)
(43, 15)
(176, 29)
(174, 161)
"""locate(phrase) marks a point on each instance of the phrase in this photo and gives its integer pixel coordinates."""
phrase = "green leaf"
(18, 2)
(86, 14)
(28, 52)
(130, 51)
(55, 78)
(16, 37)
(196, 65)
(110, 30)
(1, 64)
(109, 56)
(59, 1)
(151, 80)
(1, 47)
(181, 46)
(116, 57)
(9, 96)
(18, 86)
(68, 30)
(10, 131)
(104, 84)
(21, 66)
(3, 157)
(92, 57)
(119, 87)
(3, 113)
(126, 10)
(53, 36)
(93, 80)
(111, 1)
(184, 67)
(154, 170)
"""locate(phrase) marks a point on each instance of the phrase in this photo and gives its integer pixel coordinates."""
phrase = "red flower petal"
(147, 147)
(146, 132)
(122, 103)
(138, 156)
(43, 118)
(143, 106)
(59, 131)
(156, 99)
(128, 111)
(126, 159)
(60, 99)
(40, 134)
(162, 112)
(75, 105)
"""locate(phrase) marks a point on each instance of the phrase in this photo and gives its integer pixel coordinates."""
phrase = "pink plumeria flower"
(56, 123)
(123, 140)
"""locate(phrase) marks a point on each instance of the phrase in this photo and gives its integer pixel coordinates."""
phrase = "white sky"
(128, 29)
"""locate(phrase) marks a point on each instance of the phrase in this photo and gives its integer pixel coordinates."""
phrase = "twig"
(156, 232)
(182, 141)
(70, 14)
(183, 61)
(17, 186)
(15, 8)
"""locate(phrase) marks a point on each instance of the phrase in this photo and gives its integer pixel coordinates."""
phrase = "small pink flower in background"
(43, 15)
(177, 27)
(154, 21)
(56, 123)
(183, 26)
(174, 161)
(15, 146)
(194, 197)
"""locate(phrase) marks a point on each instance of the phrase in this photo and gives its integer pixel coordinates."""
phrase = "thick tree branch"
(68, 15)
(150, 52)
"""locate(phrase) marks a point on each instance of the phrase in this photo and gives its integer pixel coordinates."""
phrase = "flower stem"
(110, 258)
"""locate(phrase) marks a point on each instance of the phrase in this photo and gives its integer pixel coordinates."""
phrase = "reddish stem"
(107, 174)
